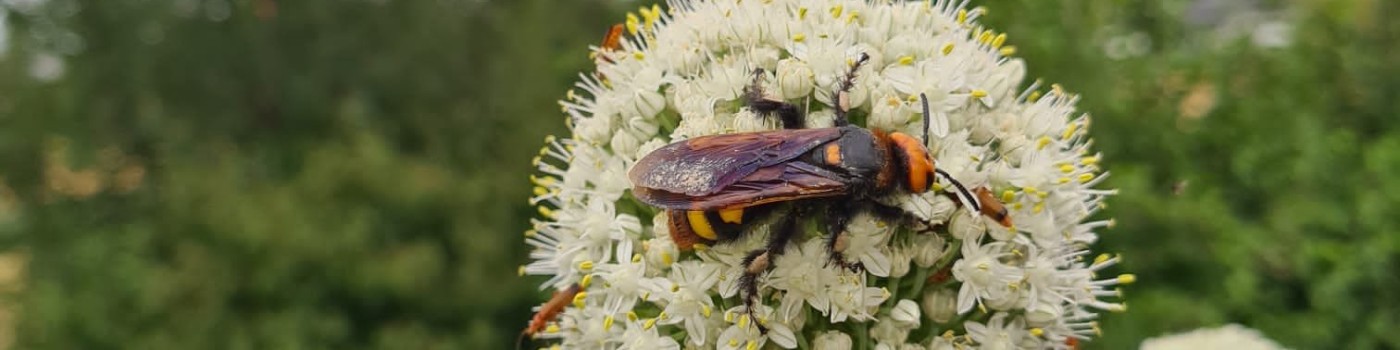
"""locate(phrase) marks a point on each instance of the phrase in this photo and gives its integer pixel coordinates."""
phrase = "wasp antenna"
(965, 196)
(923, 98)
(840, 98)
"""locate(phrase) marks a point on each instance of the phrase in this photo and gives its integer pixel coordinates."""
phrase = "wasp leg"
(894, 214)
(837, 239)
(787, 113)
(842, 93)
(758, 261)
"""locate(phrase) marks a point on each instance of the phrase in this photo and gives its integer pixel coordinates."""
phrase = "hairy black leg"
(758, 261)
(837, 240)
(787, 113)
(842, 93)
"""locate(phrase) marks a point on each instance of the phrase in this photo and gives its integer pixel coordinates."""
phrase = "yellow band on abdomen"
(701, 225)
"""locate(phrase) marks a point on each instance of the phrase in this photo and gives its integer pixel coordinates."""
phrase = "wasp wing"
(709, 164)
(775, 183)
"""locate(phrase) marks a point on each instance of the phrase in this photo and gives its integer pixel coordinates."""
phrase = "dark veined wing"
(706, 165)
(775, 183)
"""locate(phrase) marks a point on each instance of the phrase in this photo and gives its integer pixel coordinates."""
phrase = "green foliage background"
(353, 174)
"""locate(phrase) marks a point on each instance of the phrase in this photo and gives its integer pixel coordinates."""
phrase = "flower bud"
(594, 130)
(906, 312)
(927, 248)
(795, 79)
(940, 305)
(647, 103)
(967, 226)
(832, 340)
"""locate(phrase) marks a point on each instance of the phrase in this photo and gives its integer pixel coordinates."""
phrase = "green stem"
(894, 294)
(862, 335)
(920, 275)
(802, 341)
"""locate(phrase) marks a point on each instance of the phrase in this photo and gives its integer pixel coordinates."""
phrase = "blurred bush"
(280, 174)
(1255, 145)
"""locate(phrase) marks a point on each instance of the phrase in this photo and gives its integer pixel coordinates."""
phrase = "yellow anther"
(632, 316)
(520, 271)
(675, 287)
(535, 161)
(633, 23)
(1089, 160)
(663, 315)
(1035, 96)
(586, 265)
(1086, 177)
(700, 247)
(1007, 196)
(947, 49)
(948, 334)
(985, 37)
(579, 298)
(1073, 127)
(585, 281)
(540, 191)
(733, 343)
(979, 93)
(1112, 223)
(1007, 51)
(639, 56)
(852, 17)
(743, 322)
(636, 258)
(651, 15)
(836, 11)
(552, 328)
(607, 322)
(667, 259)
(1067, 168)
(1030, 189)
(937, 187)
(752, 345)
(1127, 278)
(706, 310)
(549, 213)
(1017, 206)
(962, 16)
(799, 37)
(650, 322)
(542, 180)
(531, 233)
(906, 60)
(1039, 207)
(999, 40)
(801, 13)
(1102, 258)
(728, 316)
(1062, 180)
(1037, 332)
(1042, 142)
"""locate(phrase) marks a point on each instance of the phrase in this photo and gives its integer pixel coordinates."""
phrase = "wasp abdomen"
(690, 227)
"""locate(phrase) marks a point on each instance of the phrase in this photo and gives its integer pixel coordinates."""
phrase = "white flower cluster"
(1227, 337)
(953, 279)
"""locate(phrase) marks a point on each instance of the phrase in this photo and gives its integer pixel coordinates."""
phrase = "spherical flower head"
(946, 271)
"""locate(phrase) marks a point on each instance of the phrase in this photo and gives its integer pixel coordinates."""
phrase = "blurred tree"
(280, 174)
